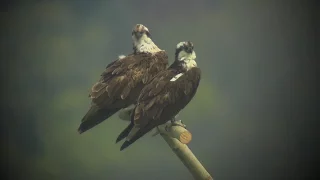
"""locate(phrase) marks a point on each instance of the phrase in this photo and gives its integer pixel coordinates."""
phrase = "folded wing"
(161, 100)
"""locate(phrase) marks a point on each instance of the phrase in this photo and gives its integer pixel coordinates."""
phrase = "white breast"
(176, 77)
(190, 64)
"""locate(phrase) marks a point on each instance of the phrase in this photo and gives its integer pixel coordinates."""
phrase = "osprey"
(124, 78)
(167, 94)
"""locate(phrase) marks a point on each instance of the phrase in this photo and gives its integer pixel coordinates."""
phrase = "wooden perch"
(177, 132)
(177, 136)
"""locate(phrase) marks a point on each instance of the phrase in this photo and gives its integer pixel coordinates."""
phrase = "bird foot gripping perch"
(175, 122)
(176, 129)
(170, 124)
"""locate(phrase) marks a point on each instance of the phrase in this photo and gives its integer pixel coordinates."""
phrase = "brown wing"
(162, 100)
(123, 75)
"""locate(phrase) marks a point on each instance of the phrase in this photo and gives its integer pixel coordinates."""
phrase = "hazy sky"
(247, 118)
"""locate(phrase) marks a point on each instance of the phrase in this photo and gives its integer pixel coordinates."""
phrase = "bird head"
(142, 41)
(140, 31)
(184, 51)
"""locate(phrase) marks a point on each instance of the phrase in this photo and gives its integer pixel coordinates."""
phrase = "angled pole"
(177, 137)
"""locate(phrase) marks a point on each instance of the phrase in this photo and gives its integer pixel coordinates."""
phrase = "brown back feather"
(157, 105)
(123, 75)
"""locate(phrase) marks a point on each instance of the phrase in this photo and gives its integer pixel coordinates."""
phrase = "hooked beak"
(189, 50)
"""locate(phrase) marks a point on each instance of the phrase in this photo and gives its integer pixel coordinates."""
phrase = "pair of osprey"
(143, 79)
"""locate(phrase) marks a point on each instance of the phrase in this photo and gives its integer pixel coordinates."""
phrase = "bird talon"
(178, 123)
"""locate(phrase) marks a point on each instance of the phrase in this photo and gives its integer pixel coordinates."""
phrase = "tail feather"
(94, 117)
(135, 137)
(125, 132)
(125, 145)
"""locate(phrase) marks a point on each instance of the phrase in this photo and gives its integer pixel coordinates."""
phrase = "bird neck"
(145, 45)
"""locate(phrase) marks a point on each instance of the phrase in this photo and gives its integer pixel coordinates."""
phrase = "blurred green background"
(241, 118)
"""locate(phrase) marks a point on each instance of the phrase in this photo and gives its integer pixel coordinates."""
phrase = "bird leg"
(175, 122)
(169, 124)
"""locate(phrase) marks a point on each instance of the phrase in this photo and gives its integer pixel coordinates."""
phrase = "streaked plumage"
(121, 82)
(167, 94)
